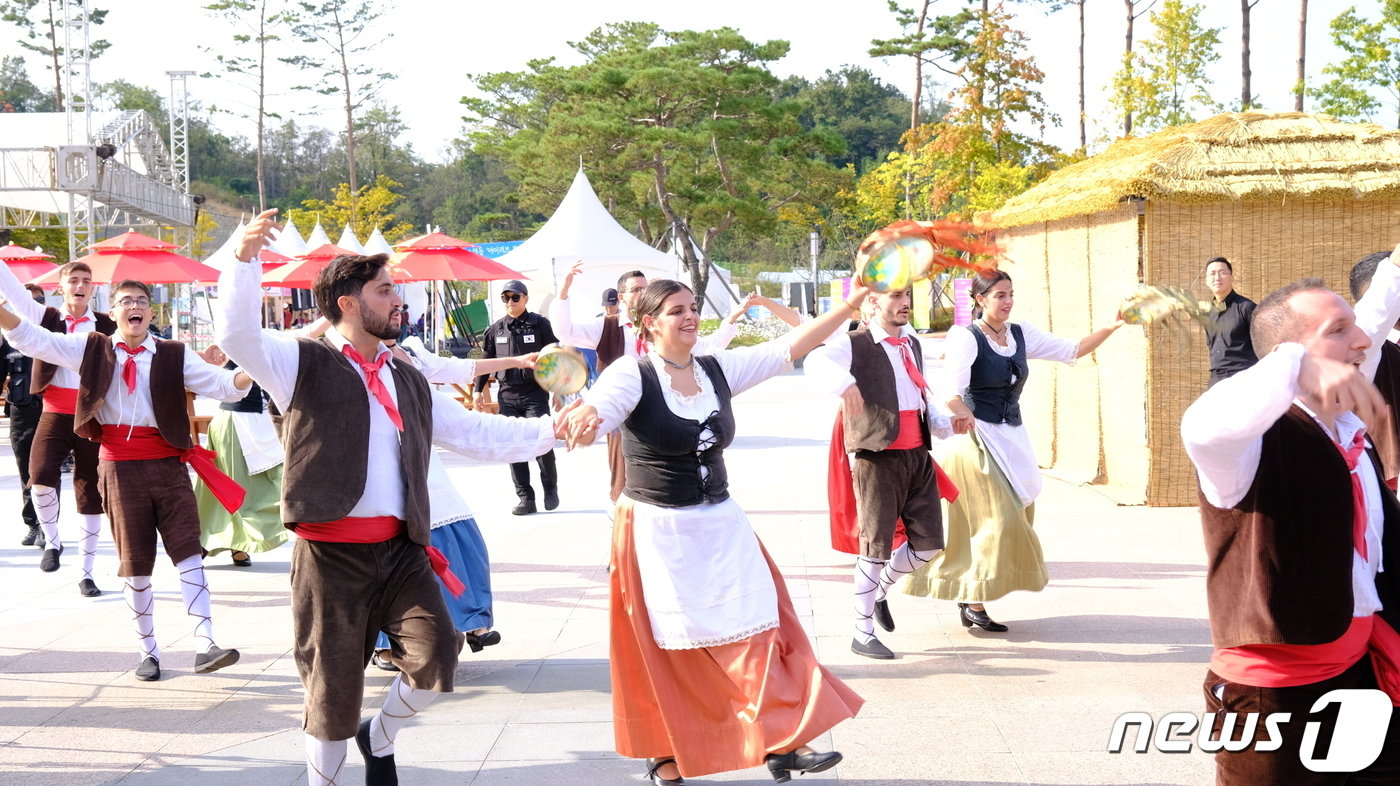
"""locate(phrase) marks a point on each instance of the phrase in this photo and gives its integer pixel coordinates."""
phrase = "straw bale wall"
(1270, 244)
(1087, 421)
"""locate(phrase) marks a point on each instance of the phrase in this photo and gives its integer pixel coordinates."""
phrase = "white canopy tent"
(581, 229)
(349, 242)
(289, 242)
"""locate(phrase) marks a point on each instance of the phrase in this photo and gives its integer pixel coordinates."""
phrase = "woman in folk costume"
(247, 449)
(454, 530)
(711, 670)
(990, 546)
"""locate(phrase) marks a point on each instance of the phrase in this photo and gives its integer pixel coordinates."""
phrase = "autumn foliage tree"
(1164, 82)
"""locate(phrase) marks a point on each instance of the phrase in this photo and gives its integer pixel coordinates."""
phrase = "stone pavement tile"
(917, 757)
(1142, 769)
(437, 737)
(551, 741)
(532, 772)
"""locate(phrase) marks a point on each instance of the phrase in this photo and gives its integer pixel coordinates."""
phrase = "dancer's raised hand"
(261, 230)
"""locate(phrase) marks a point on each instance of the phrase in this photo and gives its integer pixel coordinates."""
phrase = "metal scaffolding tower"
(73, 161)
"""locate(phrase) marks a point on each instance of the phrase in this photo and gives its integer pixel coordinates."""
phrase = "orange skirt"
(714, 709)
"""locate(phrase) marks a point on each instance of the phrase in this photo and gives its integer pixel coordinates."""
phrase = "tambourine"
(892, 258)
(1151, 304)
(561, 370)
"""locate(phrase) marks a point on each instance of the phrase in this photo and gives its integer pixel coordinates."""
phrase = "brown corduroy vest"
(611, 345)
(1278, 564)
(167, 389)
(326, 434)
(878, 426)
(54, 322)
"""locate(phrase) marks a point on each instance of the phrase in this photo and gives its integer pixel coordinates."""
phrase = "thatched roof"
(1248, 156)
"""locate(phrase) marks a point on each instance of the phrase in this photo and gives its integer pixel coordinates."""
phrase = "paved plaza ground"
(1120, 628)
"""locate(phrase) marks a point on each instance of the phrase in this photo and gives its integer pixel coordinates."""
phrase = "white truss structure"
(118, 177)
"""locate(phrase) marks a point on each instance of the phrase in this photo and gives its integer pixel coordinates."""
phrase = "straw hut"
(1283, 196)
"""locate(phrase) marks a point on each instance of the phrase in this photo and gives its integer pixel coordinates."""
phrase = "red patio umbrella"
(26, 263)
(439, 257)
(271, 260)
(301, 273)
(135, 256)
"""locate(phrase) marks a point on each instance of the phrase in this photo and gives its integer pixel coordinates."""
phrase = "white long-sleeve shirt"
(274, 360)
(588, 334)
(66, 350)
(829, 368)
(24, 304)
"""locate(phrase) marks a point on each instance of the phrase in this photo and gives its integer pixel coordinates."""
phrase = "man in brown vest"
(135, 409)
(55, 439)
(1301, 535)
(877, 370)
(358, 428)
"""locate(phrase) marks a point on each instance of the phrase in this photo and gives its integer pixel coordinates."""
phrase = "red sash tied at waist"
(910, 434)
(377, 529)
(143, 443)
(63, 401)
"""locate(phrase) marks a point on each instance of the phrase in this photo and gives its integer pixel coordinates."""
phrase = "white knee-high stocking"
(142, 602)
(402, 703)
(867, 581)
(87, 542)
(45, 500)
(905, 560)
(324, 761)
(195, 591)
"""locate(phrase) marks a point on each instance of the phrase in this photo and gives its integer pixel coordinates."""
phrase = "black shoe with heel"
(654, 773)
(488, 639)
(783, 765)
(971, 616)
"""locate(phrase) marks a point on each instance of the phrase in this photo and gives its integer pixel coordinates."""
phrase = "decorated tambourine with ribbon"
(561, 369)
(1153, 304)
(892, 258)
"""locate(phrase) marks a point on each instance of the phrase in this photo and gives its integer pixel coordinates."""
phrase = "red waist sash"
(1287, 665)
(143, 443)
(910, 434)
(63, 401)
(376, 529)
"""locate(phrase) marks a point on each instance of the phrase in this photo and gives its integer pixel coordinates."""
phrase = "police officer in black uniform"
(23, 409)
(521, 332)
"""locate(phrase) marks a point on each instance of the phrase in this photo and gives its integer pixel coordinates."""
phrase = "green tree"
(1371, 65)
(372, 207)
(1165, 83)
(41, 22)
(866, 113)
(256, 23)
(681, 129)
(17, 92)
(347, 33)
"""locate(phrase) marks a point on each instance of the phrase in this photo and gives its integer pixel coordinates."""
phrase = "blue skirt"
(462, 544)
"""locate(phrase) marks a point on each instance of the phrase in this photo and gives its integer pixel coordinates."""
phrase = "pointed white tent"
(580, 229)
(376, 244)
(317, 238)
(349, 242)
(289, 242)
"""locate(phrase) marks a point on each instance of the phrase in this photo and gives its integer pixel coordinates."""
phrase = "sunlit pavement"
(1120, 628)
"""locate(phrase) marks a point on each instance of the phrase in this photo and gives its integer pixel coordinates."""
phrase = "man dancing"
(54, 438)
(358, 428)
(1298, 526)
(877, 370)
(136, 409)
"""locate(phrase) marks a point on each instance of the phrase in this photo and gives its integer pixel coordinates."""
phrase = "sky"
(433, 46)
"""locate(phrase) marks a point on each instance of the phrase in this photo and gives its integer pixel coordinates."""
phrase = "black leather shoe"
(379, 770)
(874, 649)
(380, 660)
(213, 660)
(34, 534)
(240, 559)
(971, 616)
(88, 588)
(149, 670)
(488, 639)
(523, 508)
(551, 499)
(39, 539)
(654, 769)
(883, 616)
(783, 765)
(49, 562)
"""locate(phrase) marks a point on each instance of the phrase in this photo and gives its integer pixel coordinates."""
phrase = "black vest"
(662, 449)
(253, 402)
(995, 397)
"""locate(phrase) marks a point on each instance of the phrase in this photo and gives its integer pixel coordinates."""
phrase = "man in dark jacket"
(521, 332)
(1231, 350)
(23, 409)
